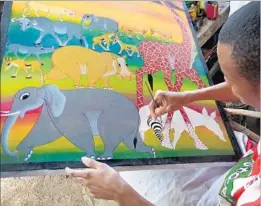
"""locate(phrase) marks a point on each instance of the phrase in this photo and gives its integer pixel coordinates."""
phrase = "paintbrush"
(152, 97)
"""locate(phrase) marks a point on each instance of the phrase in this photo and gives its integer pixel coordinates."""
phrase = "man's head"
(239, 53)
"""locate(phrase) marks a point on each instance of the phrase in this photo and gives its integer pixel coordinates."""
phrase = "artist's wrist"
(193, 96)
(127, 196)
(122, 192)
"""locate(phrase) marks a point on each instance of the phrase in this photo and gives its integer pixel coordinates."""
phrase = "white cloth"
(184, 187)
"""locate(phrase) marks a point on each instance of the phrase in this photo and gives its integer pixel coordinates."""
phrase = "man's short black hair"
(242, 33)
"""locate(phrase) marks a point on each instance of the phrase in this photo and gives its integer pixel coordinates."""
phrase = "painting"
(73, 83)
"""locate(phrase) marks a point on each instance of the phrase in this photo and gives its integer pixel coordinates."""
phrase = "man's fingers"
(81, 180)
(97, 195)
(100, 195)
(160, 111)
(159, 102)
(172, 108)
(152, 107)
(85, 173)
(158, 92)
(91, 163)
(93, 187)
(75, 172)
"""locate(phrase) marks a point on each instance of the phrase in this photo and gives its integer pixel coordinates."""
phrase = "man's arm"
(129, 197)
(219, 92)
(171, 101)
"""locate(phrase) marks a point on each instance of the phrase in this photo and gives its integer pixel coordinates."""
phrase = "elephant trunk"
(12, 117)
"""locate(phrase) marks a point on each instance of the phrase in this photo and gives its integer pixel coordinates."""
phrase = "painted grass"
(185, 147)
(63, 150)
(23, 126)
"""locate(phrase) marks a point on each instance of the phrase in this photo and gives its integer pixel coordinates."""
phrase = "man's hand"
(106, 183)
(103, 181)
(167, 102)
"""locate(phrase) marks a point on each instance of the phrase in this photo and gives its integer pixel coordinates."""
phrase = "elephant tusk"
(13, 20)
(9, 114)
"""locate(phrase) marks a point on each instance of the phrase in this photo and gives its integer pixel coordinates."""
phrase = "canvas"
(75, 81)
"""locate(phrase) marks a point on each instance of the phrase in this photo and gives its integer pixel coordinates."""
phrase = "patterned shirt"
(241, 186)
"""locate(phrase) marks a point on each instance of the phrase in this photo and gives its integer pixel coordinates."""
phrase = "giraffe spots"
(156, 58)
(178, 65)
(182, 73)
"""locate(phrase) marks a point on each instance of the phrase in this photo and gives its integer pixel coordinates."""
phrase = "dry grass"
(46, 191)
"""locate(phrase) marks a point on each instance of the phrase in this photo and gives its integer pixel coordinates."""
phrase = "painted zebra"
(157, 127)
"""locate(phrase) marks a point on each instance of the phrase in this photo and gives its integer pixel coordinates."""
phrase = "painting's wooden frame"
(53, 168)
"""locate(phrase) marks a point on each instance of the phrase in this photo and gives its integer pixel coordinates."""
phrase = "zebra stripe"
(157, 127)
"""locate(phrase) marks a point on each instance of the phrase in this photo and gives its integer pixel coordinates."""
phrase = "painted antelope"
(147, 33)
(20, 64)
(56, 10)
(28, 50)
(124, 29)
(129, 48)
(131, 32)
(102, 40)
(157, 34)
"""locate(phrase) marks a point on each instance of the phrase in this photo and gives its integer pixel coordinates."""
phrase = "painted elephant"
(102, 24)
(78, 115)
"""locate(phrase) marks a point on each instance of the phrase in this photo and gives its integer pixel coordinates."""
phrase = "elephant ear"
(95, 18)
(55, 99)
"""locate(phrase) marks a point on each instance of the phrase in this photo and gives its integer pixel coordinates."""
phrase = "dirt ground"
(46, 191)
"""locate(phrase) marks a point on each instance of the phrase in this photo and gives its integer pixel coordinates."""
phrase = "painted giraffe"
(160, 56)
